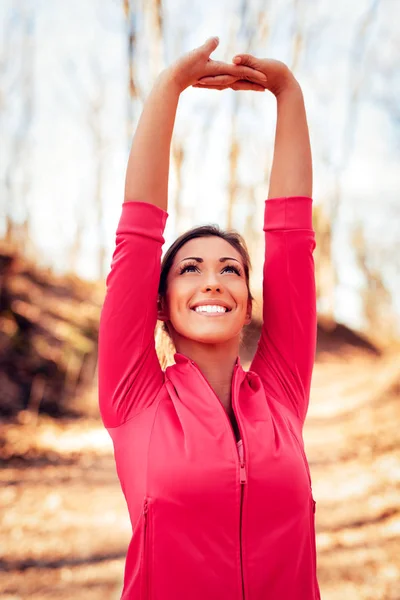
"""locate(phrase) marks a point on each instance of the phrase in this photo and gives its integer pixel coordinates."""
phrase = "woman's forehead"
(208, 248)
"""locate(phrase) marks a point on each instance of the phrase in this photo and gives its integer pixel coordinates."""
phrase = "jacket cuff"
(143, 219)
(294, 212)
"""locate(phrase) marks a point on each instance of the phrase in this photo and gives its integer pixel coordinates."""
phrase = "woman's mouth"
(211, 310)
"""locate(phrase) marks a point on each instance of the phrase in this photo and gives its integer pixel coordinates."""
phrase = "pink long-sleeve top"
(208, 522)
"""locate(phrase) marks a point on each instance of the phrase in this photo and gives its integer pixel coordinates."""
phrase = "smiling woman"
(203, 274)
(210, 456)
(200, 279)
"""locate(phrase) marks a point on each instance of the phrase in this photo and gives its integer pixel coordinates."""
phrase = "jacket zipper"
(317, 594)
(242, 463)
(243, 481)
(145, 550)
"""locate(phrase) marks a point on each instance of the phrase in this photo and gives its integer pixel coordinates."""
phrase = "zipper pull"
(145, 507)
(243, 477)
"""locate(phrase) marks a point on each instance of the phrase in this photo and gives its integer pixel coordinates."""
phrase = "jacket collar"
(180, 375)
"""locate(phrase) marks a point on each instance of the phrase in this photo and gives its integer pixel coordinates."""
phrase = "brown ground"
(64, 526)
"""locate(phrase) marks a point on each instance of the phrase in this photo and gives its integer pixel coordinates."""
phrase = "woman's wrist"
(287, 84)
(169, 79)
(290, 90)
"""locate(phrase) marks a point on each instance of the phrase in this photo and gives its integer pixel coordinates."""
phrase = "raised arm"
(286, 349)
(130, 375)
(291, 172)
(148, 165)
(129, 372)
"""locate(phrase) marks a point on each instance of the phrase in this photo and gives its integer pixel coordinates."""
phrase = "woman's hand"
(196, 65)
(279, 77)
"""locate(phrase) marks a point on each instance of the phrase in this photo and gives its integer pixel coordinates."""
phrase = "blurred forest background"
(73, 79)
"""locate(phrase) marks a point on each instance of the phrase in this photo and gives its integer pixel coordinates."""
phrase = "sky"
(77, 50)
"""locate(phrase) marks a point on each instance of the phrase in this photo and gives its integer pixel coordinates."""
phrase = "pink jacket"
(205, 524)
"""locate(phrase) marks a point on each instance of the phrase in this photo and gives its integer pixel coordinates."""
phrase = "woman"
(210, 457)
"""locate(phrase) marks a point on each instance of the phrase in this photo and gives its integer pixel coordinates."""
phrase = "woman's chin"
(210, 337)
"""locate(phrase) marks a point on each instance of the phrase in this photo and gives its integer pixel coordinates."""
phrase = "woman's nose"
(213, 286)
(212, 282)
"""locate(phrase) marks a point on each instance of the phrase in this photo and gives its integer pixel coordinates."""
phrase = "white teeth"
(210, 309)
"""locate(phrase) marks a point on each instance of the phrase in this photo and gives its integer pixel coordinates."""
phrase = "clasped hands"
(247, 72)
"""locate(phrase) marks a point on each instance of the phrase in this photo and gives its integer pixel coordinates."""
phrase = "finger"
(251, 74)
(246, 59)
(228, 80)
(247, 85)
(218, 80)
(240, 72)
(210, 45)
(238, 85)
(211, 87)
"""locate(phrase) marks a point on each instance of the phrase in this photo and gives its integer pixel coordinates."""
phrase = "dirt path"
(352, 440)
(64, 524)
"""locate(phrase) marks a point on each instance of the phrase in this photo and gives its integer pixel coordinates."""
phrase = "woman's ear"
(249, 313)
(161, 312)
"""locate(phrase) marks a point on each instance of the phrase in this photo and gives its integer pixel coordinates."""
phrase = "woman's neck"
(216, 362)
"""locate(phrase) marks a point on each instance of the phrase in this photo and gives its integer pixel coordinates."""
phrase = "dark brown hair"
(232, 237)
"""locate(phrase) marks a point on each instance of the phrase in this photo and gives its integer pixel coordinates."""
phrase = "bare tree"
(178, 156)
(384, 87)
(153, 11)
(76, 246)
(246, 31)
(377, 300)
(94, 117)
(90, 93)
(18, 57)
(357, 72)
(133, 91)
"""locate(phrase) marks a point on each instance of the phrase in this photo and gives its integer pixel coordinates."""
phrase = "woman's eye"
(187, 267)
(234, 269)
(192, 268)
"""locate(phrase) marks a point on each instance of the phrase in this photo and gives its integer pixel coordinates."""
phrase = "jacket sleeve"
(286, 349)
(129, 373)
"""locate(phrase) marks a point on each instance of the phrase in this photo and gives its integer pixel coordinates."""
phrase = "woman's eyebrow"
(200, 260)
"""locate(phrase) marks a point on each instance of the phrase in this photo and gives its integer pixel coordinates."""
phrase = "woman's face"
(207, 270)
